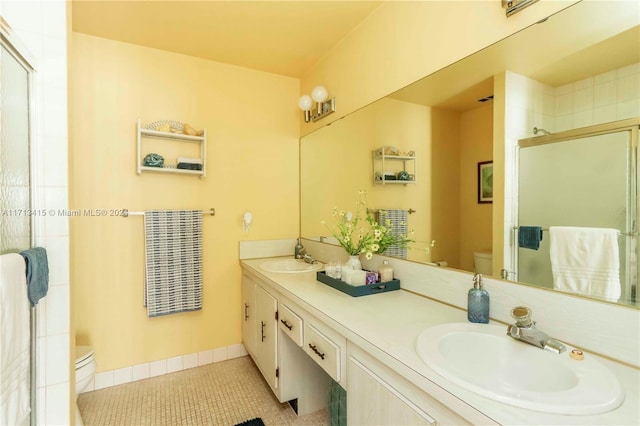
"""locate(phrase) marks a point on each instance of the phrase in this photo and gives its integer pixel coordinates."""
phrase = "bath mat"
(252, 422)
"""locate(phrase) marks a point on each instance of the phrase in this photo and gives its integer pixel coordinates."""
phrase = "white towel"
(14, 340)
(585, 261)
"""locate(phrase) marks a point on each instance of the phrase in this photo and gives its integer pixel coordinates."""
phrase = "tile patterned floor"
(224, 393)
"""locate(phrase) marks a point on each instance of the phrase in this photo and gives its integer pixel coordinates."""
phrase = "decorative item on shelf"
(361, 233)
(188, 130)
(387, 150)
(167, 126)
(172, 126)
(323, 107)
(185, 163)
(153, 160)
(404, 175)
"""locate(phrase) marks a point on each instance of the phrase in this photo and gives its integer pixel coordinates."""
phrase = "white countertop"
(388, 324)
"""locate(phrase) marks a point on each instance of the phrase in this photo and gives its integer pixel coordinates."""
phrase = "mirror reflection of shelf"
(173, 137)
(385, 173)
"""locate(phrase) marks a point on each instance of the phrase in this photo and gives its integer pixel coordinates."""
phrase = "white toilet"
(482, 261)
(85, 370)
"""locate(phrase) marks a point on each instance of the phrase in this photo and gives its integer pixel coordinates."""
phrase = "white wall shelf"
(385, 163)
(178, 138)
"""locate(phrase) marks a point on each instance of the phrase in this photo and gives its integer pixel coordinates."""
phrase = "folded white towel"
(585, 261)
(14, 340)
(189, 160)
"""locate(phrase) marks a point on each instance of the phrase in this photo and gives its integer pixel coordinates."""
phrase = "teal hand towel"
(529, 237)
(37, 273)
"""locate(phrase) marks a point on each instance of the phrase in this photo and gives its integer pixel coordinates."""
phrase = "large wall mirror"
(578, 68)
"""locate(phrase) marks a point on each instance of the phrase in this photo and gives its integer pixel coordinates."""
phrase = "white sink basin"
(289, 266)
(483, 359)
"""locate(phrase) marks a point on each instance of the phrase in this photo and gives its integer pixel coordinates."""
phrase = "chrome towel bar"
(127, 213)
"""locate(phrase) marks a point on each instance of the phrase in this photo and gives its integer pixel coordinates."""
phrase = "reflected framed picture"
(485, 182)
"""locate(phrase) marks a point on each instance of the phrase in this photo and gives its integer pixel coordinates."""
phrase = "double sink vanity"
(405, 358)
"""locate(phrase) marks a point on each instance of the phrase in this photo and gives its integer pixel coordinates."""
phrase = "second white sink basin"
(483, 359)
(289, 266)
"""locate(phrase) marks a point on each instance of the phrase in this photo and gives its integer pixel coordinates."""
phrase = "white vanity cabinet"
(267, 336)
(260, 330)
(249, 314)
(326, 349)
(376, 395)
(290, 323)
(272, 331)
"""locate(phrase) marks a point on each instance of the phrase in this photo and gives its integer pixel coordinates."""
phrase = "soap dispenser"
(478, 302)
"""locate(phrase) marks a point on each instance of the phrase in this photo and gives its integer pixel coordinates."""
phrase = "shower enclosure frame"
(633, 206)
(10, 43)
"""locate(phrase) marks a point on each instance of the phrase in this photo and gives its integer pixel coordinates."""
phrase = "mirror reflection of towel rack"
(623, 234)
(410, 211)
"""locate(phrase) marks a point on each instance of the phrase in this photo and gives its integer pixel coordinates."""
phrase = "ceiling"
(281, 37)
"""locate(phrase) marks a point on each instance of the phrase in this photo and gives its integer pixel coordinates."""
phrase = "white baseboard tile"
(137, 372)
(122, 375)
(205, 357)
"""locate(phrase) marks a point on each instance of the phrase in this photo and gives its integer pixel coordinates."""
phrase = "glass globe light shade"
(305, 102)
(319, 94)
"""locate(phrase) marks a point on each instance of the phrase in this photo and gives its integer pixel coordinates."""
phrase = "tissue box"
(359, 290)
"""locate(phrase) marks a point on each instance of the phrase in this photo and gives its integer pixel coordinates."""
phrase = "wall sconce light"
(323, 106)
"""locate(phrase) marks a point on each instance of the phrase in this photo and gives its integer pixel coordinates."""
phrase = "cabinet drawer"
(323, 351)
(290, 323)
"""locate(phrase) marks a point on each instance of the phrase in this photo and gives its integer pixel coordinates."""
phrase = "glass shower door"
(15, 194)
(586, 182)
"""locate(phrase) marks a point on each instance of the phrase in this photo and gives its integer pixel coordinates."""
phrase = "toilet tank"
(482, 261)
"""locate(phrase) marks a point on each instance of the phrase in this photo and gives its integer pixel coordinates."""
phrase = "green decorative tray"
(360, 290)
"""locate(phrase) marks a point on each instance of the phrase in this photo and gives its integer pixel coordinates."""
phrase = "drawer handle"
(286, 324)
(246, 311)
(315, 349)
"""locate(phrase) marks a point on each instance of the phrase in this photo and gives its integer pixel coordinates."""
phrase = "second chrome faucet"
(525, 330)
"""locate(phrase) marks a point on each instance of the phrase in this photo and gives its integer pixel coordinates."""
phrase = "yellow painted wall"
(401, 42)
(252, 127)
(445, 185)
(476, 141)
(337, 163)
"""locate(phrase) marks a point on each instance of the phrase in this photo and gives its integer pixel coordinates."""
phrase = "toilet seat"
(85, 371)
(84, 356)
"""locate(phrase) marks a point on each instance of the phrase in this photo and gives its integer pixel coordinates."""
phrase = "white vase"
(354, 262)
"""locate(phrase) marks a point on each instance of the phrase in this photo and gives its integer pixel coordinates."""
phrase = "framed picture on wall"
(485, 182)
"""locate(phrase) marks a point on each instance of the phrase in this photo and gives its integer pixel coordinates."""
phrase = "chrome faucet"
(307, 258)
(525, 330)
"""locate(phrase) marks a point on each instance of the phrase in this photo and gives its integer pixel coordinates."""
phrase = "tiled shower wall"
(611, 96)
(41, 27)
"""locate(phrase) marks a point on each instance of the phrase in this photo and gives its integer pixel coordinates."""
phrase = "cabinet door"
(249, 315)
(267, 336)
(372, 401)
